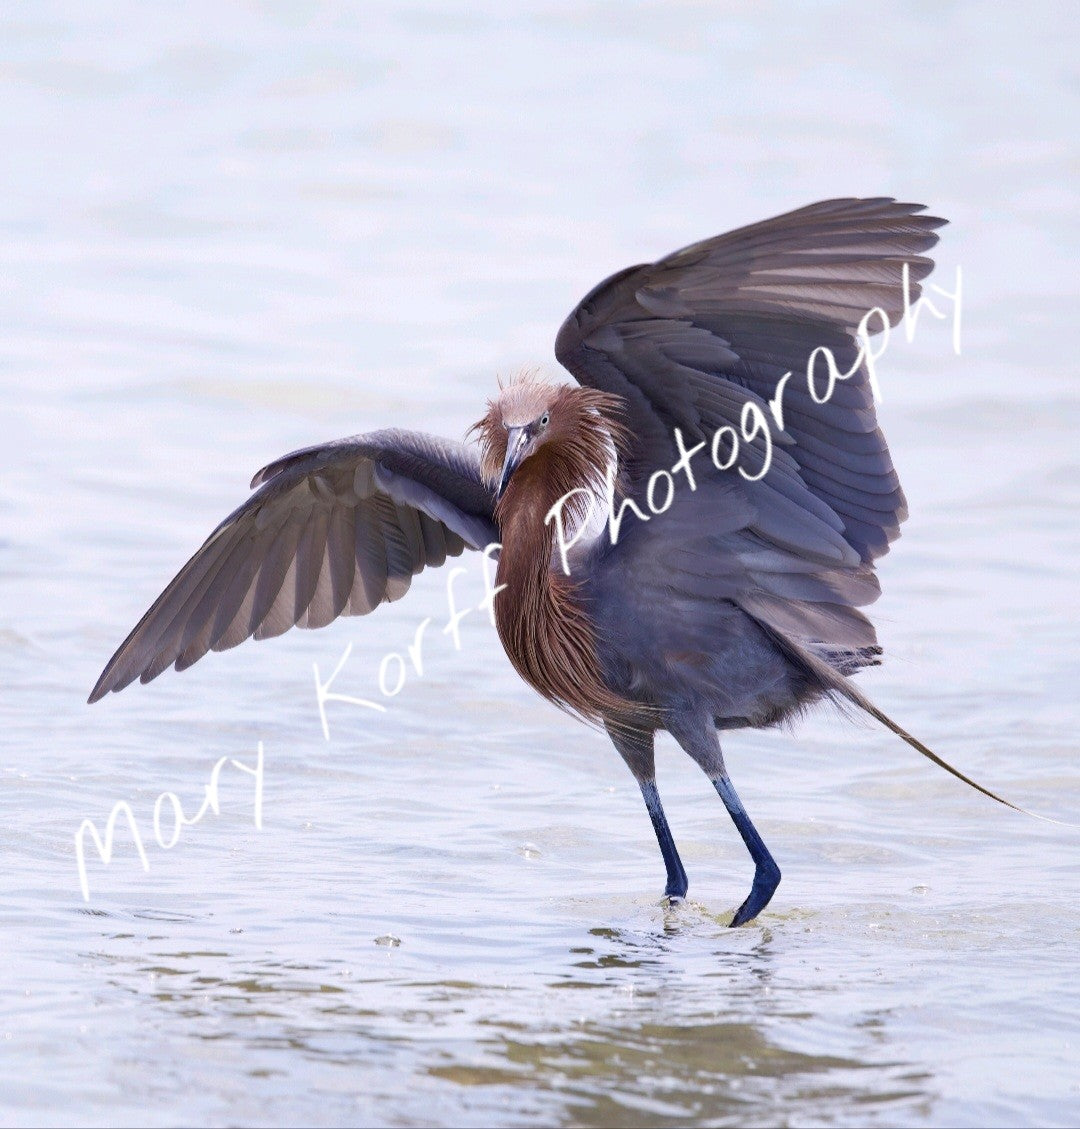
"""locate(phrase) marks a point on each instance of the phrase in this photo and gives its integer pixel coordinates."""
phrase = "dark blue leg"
(695, 730)
(676, 875)
(636, 748)
(766, 873)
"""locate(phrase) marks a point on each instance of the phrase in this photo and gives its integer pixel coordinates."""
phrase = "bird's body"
(622, 623)
(728, 594)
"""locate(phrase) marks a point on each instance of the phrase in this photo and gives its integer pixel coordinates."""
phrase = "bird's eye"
(544, 420)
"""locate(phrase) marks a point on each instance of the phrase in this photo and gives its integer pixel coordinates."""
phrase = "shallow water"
(237, 231)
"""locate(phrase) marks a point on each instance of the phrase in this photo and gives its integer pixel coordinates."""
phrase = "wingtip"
(888, 206)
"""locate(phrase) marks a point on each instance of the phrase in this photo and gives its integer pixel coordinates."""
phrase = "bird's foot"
(675, 891)
(766, 879)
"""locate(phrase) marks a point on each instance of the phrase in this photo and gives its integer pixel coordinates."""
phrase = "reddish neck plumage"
(546, 632)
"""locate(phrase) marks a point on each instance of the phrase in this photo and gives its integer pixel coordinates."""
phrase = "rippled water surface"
(230, 230)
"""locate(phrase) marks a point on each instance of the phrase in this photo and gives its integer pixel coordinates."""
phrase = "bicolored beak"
(517, 439)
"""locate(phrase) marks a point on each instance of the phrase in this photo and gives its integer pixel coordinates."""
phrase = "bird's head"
(569, 433)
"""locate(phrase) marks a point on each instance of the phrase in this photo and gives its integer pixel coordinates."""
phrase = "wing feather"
(689, 340)
(330, 530)
(270, 613)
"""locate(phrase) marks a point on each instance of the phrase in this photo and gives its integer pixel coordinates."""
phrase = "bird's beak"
(516, 440)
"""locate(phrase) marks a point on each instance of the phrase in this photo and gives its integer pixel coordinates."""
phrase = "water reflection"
(704, 1073)
(668, 1023)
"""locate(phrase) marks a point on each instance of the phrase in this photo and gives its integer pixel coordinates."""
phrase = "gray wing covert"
(331, 530)
(688, 340)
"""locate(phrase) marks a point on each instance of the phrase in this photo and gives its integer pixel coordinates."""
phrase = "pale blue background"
(227, 230)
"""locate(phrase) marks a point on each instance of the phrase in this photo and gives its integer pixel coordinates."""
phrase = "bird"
(729, 594)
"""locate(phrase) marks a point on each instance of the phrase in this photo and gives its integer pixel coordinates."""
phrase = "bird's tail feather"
(837, 686)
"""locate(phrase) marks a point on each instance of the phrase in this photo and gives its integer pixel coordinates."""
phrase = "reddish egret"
(728, 594)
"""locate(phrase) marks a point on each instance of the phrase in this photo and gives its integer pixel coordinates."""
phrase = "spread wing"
(331, 530)
(688, 340)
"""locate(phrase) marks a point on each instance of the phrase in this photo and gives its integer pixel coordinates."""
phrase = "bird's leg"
(677, 883)
(636, 748)
(699, 738)
(766, 872)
